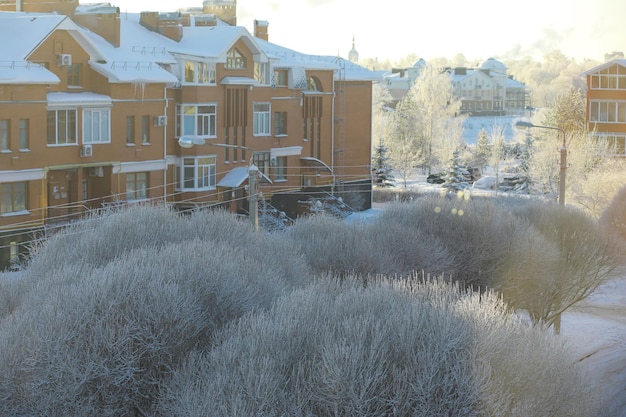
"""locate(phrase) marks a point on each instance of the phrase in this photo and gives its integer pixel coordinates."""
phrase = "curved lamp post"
(563, 151)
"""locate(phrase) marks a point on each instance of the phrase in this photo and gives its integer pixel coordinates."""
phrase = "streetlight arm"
(563, 152)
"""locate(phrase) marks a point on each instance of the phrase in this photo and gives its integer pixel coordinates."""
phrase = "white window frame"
(193, 123)
(56, 127)
(96, 125)
(262, 71)
(12, 199)
(198, 173)
(134, 193)
(615, 139)
(5, 135)
(607, 111)
(262, 124)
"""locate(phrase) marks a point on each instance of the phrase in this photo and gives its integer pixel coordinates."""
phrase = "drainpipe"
(165, 147)
(18, 6)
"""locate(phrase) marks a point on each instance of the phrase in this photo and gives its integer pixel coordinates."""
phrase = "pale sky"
(393, 29)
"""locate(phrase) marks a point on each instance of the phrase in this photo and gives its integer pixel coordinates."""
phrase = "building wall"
(606, 105)
(327, 137)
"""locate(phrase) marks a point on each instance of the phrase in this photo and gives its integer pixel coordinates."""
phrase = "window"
(262, 73)
(13, 197)
(145, 129)
(616, 143)
(130, 130)
(261, 119)
(280, 77)
(198, 173)
(607, 111)
(280, 123)
(61, 127)
(313, 84)
(96, 126)
(262, 161)
(199, 72)
(234, 60)
(280, 169)
(198, 120)
(24, 133)
(5, 135)
(137, 186)
(73, 75)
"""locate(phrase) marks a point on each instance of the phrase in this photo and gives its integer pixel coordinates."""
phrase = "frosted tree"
(405, 151)
(382, 171)
(483, 151)
(497, 151)
(431, 110)
(454, 179)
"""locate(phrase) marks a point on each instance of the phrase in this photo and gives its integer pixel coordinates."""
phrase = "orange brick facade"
(93, 120)
(606, 104)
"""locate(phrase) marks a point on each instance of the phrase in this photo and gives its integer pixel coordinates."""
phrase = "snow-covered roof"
(143, 53)
(32, 29)
(618, 61)
(76, 99)
(494, 65)
(234, 178)
(24, 72)
(288, 58)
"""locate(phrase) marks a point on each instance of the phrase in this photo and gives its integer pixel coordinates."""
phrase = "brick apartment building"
(94, 104)
(606, 104)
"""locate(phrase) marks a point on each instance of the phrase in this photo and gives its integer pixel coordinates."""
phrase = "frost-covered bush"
(614, 216)
(329, 244)
(585, 257)
(96, 338)
(388, 348)
(479, 236)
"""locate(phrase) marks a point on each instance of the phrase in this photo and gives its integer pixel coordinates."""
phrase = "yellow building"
(95, 104)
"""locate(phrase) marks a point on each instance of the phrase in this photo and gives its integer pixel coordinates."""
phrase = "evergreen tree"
(381, 167)
(483, 151)
(455, 179)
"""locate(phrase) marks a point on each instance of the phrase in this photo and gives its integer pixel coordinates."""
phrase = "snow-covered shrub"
(586, 256)
(388, 348)
(99, 340)
(479, 236)
(330, 244)
(614, 216)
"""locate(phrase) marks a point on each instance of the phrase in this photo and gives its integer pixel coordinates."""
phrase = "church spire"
(353, 56)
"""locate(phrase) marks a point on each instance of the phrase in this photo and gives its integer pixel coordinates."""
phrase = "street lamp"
(253, 174)
(563, 168)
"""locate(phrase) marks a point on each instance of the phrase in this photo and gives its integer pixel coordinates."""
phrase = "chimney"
(260, 29)
(101, 19)
(167, 24)
(225, 10)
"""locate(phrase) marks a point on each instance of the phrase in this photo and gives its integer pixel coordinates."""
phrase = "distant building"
(488, 90)
(485, 91)
(400, 80)
(94, 104)
(606, 104)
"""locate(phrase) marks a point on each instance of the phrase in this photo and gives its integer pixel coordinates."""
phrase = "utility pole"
(253, 202)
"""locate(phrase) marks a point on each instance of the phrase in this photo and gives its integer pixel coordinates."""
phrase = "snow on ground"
(596, 330)
(473, 125)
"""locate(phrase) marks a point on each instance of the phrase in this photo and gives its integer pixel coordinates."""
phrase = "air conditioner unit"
(160, 121)
(86, 150)
(96, 172)
(64, 60)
